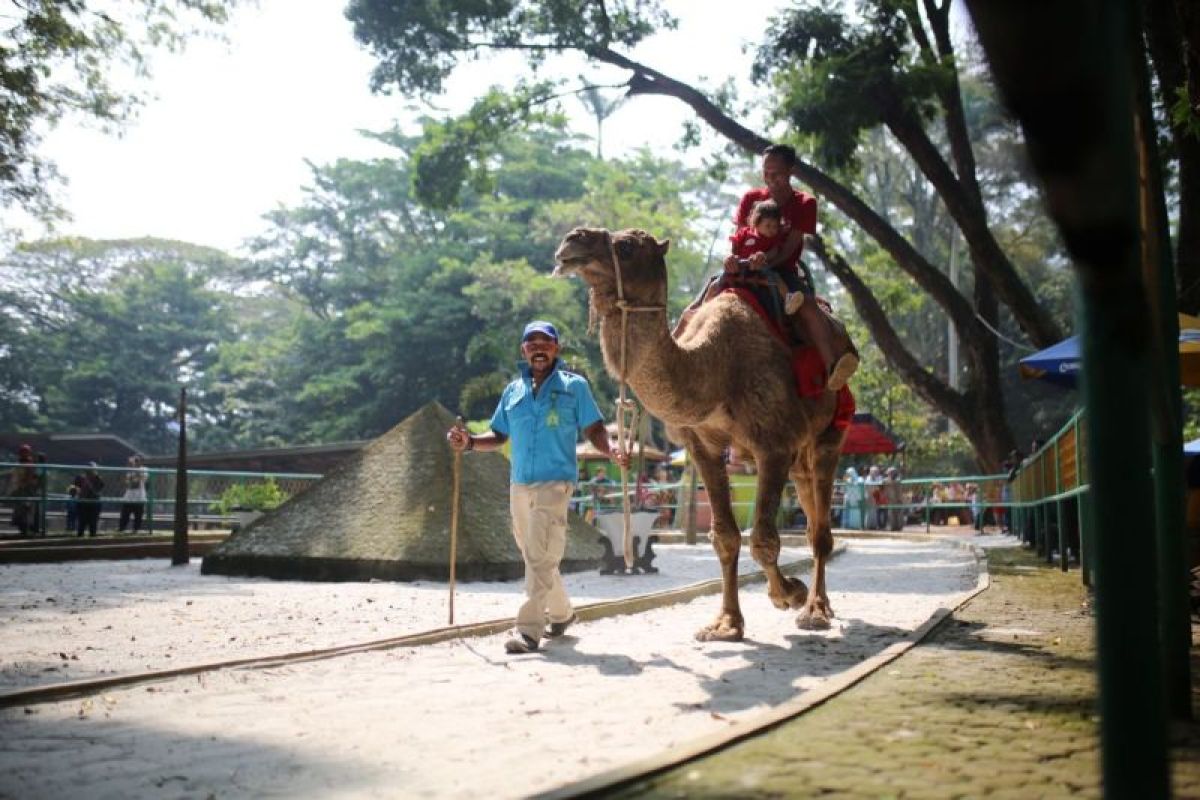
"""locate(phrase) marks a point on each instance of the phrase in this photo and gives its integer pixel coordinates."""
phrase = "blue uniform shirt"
(544, 429)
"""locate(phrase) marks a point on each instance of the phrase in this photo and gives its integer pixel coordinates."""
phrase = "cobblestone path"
(999, 702)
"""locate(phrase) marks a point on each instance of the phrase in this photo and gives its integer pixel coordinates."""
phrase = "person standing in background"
(133, 502)
(90, 486)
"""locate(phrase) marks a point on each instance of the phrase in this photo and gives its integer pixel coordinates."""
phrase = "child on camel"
(756, 245)
(753, 247)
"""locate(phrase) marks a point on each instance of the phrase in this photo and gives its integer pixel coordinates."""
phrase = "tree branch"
(648, 81)
(925, 383)
(986, 254)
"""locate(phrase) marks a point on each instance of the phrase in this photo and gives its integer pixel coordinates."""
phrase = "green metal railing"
(1047, 494)
(51, 499)
(921, 501)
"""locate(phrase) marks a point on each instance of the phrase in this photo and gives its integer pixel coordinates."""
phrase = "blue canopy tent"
(1058, 364)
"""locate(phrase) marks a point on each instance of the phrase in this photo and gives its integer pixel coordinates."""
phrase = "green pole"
(1058, 511)
(1081, 504)
(1065, 69)
(43, 480)
(150, 503)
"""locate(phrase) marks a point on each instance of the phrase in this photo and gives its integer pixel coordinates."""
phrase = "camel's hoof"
(794, 594)
(812, 618)
(719, 633)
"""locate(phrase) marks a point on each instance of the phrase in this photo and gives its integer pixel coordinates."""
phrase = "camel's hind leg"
(785, 592)
(814, 475)
(726, 538)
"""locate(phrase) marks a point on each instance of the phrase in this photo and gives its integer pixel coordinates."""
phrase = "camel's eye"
(625, 248)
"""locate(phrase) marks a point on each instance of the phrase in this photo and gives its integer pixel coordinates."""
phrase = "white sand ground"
(457, 719)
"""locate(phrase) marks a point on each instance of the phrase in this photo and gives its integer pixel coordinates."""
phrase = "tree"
(402, 300)
(403, 303)
(1172, 34)
(117, 327)
(58, 59)
(891, 65)
(601, 108)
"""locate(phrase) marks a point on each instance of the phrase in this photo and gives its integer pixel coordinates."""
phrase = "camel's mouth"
(564, 267)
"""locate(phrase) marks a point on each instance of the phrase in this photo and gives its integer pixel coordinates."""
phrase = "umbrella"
(584, 451)
(867, 434)
(1060, 363)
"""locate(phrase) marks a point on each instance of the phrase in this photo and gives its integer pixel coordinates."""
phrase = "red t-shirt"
(799, 214)
(747, 241)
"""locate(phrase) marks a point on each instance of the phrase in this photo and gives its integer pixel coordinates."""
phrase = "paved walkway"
(999, 702)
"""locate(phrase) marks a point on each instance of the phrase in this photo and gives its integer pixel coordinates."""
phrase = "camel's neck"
(663, 374)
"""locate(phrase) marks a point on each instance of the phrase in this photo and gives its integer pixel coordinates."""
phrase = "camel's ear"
(663, 246)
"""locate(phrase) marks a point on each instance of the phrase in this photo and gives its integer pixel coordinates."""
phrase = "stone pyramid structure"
(385, 514)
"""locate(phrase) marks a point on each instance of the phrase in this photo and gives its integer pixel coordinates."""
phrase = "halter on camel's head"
(626, 270)
(625, 273)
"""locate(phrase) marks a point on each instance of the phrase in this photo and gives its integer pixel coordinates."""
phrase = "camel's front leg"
(727, 541)
(785, 592)
(817, 612)
(814, 485)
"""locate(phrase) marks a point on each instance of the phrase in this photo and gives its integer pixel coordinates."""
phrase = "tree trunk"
(977, 410)
(1170, 29)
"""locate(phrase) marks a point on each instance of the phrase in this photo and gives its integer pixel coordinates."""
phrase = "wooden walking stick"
(454, 503)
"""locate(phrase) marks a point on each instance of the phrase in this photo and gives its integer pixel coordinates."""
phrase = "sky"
(228, 127)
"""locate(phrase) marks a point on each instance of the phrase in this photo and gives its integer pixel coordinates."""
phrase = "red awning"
(868, 435)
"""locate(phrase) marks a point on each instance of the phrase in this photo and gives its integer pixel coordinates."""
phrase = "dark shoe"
(557, 629)
(841, 371)
(520, 644)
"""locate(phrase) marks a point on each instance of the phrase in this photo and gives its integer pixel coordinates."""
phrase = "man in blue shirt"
(542, 412)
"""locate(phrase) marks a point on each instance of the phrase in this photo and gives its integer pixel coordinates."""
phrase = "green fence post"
(1058, 510)
(150, 502)
(43, 481)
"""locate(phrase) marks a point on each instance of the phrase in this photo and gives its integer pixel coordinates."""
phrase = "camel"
(726, 381)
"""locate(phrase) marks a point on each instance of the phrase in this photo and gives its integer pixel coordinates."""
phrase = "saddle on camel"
(762, 291)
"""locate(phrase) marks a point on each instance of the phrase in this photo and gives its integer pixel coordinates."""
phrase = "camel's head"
(588, 252)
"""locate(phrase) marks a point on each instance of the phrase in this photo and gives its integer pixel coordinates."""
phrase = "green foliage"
(838, 78)
(418, 43)
(400, 304)
(461, 151)
(261, 496)
(1191, 414)
(57, 58)
(110, 331)
(1184, 115)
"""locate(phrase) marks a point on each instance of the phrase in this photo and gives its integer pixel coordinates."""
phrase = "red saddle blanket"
(807, 368)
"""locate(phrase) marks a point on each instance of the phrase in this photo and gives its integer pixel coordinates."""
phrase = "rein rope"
(624, 404)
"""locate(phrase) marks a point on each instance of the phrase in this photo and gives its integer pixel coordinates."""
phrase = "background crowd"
(81, 501)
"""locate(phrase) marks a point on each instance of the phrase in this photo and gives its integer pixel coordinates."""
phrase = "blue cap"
(540, 326)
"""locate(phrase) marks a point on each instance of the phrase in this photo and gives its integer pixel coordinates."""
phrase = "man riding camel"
(798, 216)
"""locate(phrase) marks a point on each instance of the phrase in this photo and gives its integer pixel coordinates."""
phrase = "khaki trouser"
(539, 514)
